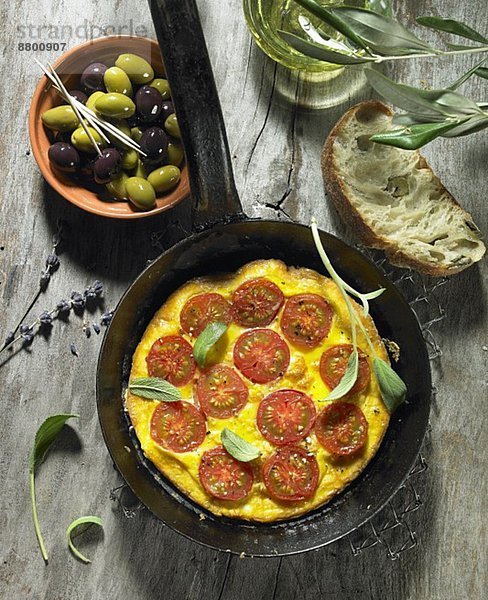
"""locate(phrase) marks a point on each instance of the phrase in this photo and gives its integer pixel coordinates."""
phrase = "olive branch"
(374, 37)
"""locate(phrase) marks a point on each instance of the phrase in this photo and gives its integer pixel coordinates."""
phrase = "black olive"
(107, 166)
(167, 110)
(92, 78)
(154, 142)
(64, 157)
(149, 103)
(79, 95)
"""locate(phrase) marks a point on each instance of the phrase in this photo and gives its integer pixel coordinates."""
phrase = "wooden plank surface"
(275, 147)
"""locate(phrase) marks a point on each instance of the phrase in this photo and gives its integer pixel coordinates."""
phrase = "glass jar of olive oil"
(322, 84)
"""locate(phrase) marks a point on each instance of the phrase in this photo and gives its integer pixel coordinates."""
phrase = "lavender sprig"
(51, 265)
(63, 307)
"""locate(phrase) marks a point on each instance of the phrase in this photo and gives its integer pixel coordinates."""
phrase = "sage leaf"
(154, 388)
(321, 51)
(392, 388)
(45, 436)
(348, 379)
(91, 520)
(380, 33)
(452, 26)
(209, 336)
(414, 136)
(238, 447)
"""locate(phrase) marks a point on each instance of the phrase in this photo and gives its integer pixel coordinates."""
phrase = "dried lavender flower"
(46, 318)
(10, 337)
(96, 328)
(52, 261)
(98, 287)
(106, 318)
(73, 349)
(94, 290)
(27, 334)
(27, 337)
(77, 300)
(86, 330)
(62, 306)
(44, 278)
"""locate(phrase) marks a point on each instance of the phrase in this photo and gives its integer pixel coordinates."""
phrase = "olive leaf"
(382, 7)
(368, 29)
(474, 70)
(154, 388)
(329, 16)
(321, 51)
(452, 26)
(380, 33)
(45, 436)
(238, 447)
(348, 379)
(392, 388)
(422, 102)
(413, 136)
(482, 72)
(471, 125)
(90, 520)
(209, 336)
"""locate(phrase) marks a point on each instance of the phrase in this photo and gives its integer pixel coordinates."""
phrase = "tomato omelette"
(267, 379)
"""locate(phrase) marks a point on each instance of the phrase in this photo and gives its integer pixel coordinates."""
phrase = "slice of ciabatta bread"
(392, 200)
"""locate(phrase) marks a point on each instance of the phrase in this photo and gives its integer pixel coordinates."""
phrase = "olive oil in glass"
(321, 84)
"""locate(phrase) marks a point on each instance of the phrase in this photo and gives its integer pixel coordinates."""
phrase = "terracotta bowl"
(70, 66)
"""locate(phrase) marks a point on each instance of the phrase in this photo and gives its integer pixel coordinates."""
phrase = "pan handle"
(180, 36)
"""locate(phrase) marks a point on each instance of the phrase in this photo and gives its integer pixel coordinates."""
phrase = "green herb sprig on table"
(89, 520)
(373, 37)
(393, 390)
(45, 436)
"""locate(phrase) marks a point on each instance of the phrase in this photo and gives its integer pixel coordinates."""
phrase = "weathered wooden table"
(275, 147)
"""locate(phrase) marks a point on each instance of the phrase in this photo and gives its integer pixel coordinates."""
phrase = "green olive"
(172, 127)
(164, 178)
(117, 80)
(140, 170)
(124, 128)
(129, 159)
(175, 153)
(82, 142)
(136, 133)
(162, 86)
(141, 193)
(136, 67)
(61, 118)
(115, 105)
(90, 103)
(116, 187)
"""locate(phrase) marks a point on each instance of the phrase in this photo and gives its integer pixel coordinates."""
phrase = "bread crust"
(336, 191)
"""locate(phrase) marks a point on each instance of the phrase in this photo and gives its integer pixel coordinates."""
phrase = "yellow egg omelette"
(267, 379)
